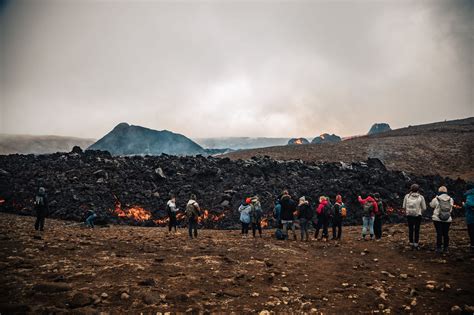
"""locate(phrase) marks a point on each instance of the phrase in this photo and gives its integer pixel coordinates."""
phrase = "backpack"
(277, 211)
(244, 216)
(279, 235)
(328, 210)
(411, 206)
(191, 210)
(444, 209)
(368, 208)
(342, 212)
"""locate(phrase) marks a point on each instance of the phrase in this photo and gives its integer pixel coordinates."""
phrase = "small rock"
(124, 296)
(254, 294)
(104, 295)
(81, 299)
(456, 309)
(430, 287)
(469, 309)
(285, 289)
(264, 312)
(403, 276)
(413, 302)
(381, 307)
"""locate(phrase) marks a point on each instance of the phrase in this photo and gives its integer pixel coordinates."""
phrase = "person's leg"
(365, 224)
(254, 228)
(37, 222)
(470, 231)
(446, 226)
(325, 229)
(41, 223)
(339, 229)
(439, 234)
(334, 228)
(302, 228)
(371, 227)
(190, 228)
(417, 231)
(195, 228)
(94, 216)
(318, 227)
(243, 229)
(411, 229)
(259, 227)
(285, 229)
(170, 224)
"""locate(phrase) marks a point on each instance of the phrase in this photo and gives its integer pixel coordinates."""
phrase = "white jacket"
(417, 200)
(172, 206)
(435, 205)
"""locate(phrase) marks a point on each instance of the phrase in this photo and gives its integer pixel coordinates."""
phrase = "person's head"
(248, 201)
(364, 194)
(41, 191)
(285, 192)
(414, 188)
(443, 190)
(322, 198)
(339, 198)
(302, 199)
(255, 199)
(193, 197)
(172, 197)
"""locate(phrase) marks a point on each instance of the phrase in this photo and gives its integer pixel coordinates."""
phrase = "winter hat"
(42, 190)
(303, 199)
(339, 198)
(443, 189)
(248, 200)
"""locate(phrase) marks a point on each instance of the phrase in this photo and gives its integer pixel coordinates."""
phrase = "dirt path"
(121, 268)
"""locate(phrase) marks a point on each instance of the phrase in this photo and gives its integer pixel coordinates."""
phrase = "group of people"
(287, 212)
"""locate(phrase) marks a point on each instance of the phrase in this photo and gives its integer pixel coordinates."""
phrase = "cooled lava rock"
(135, 189)
(296, 141)
(326, 138)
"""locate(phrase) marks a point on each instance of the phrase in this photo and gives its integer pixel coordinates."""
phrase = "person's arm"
(423, 204)
(376, 207)
(404, 206)
(451, 201)
(434, 203)
(362, 201)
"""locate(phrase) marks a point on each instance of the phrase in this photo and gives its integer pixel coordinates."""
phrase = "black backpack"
(328, 210)
(368, 208)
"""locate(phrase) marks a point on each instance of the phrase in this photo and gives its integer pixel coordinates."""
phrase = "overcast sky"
(220, 68)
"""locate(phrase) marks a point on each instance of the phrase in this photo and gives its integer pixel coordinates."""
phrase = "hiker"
(256, 214)
(41, 207)
(340, 212)
(323, 212)
(277, 213)
(90, 217)
(469, 208)
(171, 210)
(369, 209)
(288, 206)
(245, 219)
(378, 217)
(192, 213)
(443, 206)
(414, 205)
(305, 214)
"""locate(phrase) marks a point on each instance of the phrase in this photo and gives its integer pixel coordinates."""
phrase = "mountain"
(28, 144)
(238, 143)
(379, 128)
(441, 148)
(325, 138)
(127, 139)
(298, 141)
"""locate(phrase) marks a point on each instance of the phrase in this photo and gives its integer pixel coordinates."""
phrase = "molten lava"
(298, 141)
(136, 213)
(264, 223)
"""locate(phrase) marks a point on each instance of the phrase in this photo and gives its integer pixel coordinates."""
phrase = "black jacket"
(41, 205)
(305, 211)
(288, 206)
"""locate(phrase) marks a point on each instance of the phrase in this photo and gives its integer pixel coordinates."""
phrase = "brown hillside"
(26, 144)
(445, 148)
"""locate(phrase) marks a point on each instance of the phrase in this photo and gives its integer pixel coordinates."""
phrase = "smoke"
(285, 69)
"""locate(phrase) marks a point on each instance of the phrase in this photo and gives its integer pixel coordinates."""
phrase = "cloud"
(233, 68)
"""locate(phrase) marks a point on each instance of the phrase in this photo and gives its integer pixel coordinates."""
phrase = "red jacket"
(370, 199)
(321, 206)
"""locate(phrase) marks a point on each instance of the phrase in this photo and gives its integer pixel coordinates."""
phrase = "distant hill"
(326, 138)
(27, 144)
(444, 148)
(297, 141)
(127, 139)
(238, 143)
(379, 128)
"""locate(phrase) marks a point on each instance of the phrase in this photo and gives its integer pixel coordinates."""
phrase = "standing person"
(305, 214)
(192, 213)
(256, 214)
(90, 217)
(41, 208)
(277, 213)
(414, 205)
(171, 209)
(245, 219)
(378, 217)
(369, 209)
(340, 212)
(469, 208)
(288, 206)
(443, 206)
(323, 212)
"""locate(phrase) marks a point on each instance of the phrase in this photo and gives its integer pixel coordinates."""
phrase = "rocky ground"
(116, 269)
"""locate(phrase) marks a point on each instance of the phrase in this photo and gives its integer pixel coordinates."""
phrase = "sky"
(233, 68)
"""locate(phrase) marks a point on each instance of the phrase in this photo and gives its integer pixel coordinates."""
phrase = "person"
(369, 209)
(90, 217)
(414, 205)
(245, 219)
(378, 217)
(277, 213)
(469, 214)
(288, 207)
(192, 213)
(171, 210)
(323, 213)
(41, 207)
(443, 206)
(340, 213)
(305, 214)
(256, 214)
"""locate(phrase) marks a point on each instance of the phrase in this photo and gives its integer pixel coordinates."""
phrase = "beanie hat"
(339, 198)
(443, 189)
(248, 200)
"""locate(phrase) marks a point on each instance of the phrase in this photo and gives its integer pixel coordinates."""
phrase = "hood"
(190, 202)
(324, 202)
(444, 197)
(370, 199)
(415, 194)
(285, 197)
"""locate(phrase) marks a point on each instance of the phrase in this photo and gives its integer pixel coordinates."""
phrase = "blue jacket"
(469, 206)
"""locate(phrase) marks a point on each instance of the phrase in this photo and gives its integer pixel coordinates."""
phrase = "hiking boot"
(446, 251)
